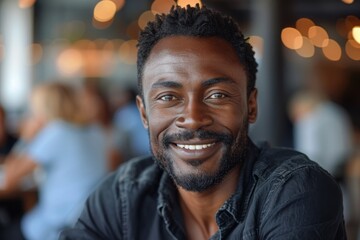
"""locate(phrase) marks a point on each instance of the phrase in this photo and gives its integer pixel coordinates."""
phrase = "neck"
(199, 208)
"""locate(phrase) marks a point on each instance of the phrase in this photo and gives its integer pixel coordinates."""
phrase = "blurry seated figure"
(70, 154)
(322, 130)
(97, 111)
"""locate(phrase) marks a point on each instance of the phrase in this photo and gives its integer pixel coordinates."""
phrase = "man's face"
(196, 109)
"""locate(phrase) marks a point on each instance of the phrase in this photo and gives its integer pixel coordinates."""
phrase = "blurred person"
(206, 179)
(70, 154)
(127, 119)
(98, 111)
(322, 130)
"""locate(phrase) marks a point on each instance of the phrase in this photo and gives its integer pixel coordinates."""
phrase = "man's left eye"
(217, 95)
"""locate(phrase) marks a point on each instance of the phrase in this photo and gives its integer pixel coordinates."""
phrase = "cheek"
(159, 122)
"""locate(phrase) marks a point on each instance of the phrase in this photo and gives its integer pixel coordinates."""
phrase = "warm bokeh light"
(128, 52)
(184, 3)
(356, 33)
(318, 36)
(161, 6)
(332, 50)
(69, 62)
(291, 38)
(348, 1)
(307, 50)
(26, 3)
(119, 4)
(258, 45)
(352, 49)
(37, 53)
(303, 25)
(144, 18)
(104, 11)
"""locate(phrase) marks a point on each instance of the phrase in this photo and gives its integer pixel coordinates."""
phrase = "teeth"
(195, 147)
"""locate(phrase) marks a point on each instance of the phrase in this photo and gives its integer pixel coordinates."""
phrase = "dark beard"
(234, 154)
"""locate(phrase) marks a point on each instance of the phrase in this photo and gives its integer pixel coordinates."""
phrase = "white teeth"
(195, 147)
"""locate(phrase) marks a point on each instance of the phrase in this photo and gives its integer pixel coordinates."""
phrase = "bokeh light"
(104, 11)
(291, 38)
(161, 6)
(303, 25)
(144, 18)
(332, 50)
(307, 49)
(318, 36)
(352, 49)
(356, 34)
(69, 62)
(348, 1)
(184, 3)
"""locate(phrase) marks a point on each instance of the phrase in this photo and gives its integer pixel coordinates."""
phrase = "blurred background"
(297, 43)
(308, 53)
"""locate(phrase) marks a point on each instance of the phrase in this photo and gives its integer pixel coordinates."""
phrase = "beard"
(234, 153)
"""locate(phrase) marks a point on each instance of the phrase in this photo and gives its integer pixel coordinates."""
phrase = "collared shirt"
(281, 194)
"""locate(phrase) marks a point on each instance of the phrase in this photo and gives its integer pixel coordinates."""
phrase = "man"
(209, 181)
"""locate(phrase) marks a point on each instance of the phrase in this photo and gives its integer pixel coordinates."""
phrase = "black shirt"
(281, 195)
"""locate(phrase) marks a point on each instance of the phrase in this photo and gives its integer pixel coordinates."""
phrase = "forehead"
(184, 55)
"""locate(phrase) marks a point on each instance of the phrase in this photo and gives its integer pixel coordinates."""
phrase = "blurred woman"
(97, 110)
(70, 153)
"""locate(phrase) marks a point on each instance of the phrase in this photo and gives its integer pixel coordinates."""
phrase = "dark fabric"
(281, 195)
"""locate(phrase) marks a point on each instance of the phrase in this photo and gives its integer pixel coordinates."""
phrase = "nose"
(195, 115)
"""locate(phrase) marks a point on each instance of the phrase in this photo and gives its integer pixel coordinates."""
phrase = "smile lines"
(195, 147)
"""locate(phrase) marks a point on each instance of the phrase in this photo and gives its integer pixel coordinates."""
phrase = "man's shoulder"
(280, 162)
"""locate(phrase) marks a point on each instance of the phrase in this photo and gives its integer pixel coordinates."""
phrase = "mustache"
(200, 134)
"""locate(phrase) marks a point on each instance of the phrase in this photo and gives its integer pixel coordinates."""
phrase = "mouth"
(195, 146)
(195, 150)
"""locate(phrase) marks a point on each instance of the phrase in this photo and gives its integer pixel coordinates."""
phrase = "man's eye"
(217, 96)
(167, 98)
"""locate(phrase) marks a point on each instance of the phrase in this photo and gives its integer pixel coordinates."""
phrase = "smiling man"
(206, 178)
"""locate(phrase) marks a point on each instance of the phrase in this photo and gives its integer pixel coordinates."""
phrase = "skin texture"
(191, 86)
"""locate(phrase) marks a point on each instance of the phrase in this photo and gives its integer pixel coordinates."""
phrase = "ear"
(141, 106)
(252, 106)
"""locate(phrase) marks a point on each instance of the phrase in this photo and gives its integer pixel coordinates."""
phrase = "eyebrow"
(214, 81)
(167, 84)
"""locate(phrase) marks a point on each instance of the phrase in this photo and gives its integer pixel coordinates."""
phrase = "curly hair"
(197, 22)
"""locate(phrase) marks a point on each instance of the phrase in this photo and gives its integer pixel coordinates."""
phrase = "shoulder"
(297, 194)
(285, 175)
(282, 162)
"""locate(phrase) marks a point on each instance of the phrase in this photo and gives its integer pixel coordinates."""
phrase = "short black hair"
(197, 22)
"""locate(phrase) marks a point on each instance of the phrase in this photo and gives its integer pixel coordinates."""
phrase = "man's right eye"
(167, 98)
